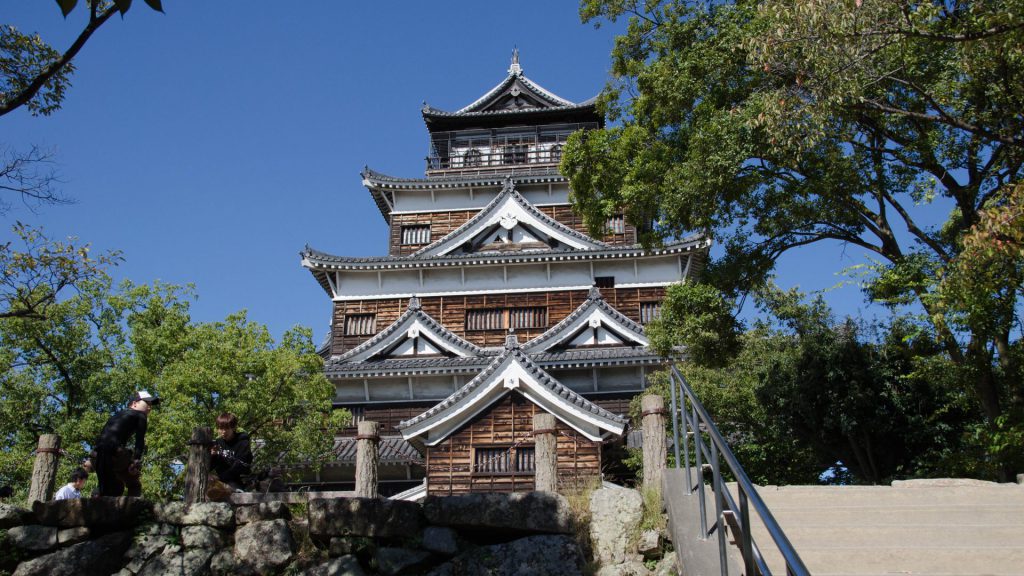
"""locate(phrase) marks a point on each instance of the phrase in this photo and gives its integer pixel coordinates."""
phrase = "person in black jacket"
(231, 455)
(116, 465)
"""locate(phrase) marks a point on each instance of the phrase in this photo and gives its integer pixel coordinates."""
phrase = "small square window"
(616, 224)
(416, 234)
(504, 460)
(485, 319)
(360, 324)
(604, 281)
(649, 311)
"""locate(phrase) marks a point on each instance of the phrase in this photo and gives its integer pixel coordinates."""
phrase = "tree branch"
(22, 98)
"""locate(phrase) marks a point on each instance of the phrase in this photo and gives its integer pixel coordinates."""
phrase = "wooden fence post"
(44, 469)
(367, 458)
(197, 475)
(652, 407)
(546, 462)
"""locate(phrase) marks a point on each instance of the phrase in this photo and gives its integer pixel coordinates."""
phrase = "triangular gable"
(511, 371)
(515, 92)
(509, 222)
(414, 333)
(593, 323)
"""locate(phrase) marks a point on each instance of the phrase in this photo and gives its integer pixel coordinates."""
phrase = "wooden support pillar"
(652, 408)
(197, 476)
(44, 469)
(546, 453)
(367, 459)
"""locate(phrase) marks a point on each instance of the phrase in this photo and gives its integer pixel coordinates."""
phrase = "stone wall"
(499, 534)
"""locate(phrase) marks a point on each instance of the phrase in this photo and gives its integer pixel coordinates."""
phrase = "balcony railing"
(507, 150)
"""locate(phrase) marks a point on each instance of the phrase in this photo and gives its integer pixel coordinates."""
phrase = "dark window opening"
(604, 281)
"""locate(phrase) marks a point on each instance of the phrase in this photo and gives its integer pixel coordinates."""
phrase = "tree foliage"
(808, 399)
(773, 125)
(86, 346)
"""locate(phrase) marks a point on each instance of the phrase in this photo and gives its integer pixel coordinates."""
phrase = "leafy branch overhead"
(34, 74)
(774, 125)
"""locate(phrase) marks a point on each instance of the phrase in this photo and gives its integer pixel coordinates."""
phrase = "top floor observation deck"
(514, 149)
(516, 128)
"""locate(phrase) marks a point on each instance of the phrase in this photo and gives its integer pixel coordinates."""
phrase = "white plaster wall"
(461, 199)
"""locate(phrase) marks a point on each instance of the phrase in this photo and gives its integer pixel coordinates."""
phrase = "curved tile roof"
(594, 300)
(514, 353)
(313, 258)
(508, 193)
(413, 312)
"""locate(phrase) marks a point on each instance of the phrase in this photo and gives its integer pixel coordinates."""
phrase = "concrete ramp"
(940, 527)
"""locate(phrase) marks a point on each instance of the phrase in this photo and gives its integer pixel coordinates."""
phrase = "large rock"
(262, 511)
(343, 566)
(441, 540)
(104, 514)
(395, 561)
(520, 512)
(69, 536)
(615, 516)
(33, 537)
(145, 546)
(216, 514)
(12, 516)
(364, 517)
(98, 557)
(556, 555)
(202, 537)
(178, 561)
(264, 546)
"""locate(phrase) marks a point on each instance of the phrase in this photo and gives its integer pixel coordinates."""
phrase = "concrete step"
(905, 535)
(945, 527)
(924, 560)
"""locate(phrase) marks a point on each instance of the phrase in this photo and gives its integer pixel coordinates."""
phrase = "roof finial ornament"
(511, 342)
(595, 294)
(515, 69)
(414, 303)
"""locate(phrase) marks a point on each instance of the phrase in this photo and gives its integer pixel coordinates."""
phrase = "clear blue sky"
(211, 143)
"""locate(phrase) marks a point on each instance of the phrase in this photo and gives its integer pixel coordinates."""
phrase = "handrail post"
(718, 486)
(675, 426)
(746, 545)
(697, 442)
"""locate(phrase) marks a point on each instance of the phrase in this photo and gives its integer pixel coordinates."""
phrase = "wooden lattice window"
(504, 460)
(485, 319)
(616, 224)
(649, 311)
(505, 318)
(532, 317)
(360, 324)
(416, 234)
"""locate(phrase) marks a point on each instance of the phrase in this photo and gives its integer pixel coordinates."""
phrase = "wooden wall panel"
(509, 422)
(450, 311)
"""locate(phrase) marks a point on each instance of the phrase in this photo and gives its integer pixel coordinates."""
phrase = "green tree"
(773, 125)
(805, 393)
(73, 348)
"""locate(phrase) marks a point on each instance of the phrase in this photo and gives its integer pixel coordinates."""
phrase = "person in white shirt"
(73, 489)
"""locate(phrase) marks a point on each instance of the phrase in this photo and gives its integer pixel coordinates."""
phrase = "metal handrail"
(696, 422)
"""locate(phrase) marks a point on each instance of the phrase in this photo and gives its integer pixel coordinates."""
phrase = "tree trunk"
(44, 470)
(367, 459)
(652, 407)
(546, 456)
(198, 475)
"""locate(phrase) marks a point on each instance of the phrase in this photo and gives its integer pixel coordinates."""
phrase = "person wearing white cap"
(117, 467)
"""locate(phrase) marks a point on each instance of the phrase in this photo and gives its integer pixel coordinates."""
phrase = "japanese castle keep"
(493, 304)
